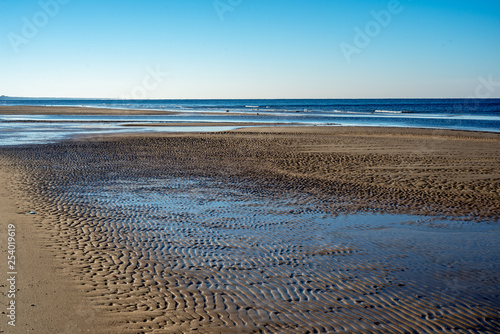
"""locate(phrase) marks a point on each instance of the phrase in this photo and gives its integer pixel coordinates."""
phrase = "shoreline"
(395, 170)
(95, 111)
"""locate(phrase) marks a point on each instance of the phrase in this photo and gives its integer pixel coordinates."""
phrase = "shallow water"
(455, 114)
(42, 129)
(239, 258)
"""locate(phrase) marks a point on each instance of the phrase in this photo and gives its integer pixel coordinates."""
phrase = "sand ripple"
(163, 250)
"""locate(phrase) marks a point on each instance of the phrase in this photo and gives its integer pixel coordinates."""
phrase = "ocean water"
(455, 114)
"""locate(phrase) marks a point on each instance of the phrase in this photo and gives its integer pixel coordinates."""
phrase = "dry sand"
(46, 299)
(128, 274)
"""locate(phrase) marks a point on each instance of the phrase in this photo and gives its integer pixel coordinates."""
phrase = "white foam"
(392, 111)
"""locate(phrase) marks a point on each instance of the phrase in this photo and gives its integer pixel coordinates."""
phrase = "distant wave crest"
(393, 111)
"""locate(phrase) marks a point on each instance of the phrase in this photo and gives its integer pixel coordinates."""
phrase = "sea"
(454, 114)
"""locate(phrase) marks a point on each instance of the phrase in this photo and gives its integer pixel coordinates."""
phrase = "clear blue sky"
(248, 48)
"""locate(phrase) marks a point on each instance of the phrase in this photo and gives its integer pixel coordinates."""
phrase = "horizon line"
(200, 99)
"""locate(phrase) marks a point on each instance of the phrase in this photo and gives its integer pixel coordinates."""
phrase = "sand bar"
(208, 269)
(200, 124)
(61, 110)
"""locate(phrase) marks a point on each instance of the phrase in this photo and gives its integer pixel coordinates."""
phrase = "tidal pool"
(214, 253)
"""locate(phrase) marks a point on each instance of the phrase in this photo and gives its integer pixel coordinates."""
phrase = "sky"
(203, 49)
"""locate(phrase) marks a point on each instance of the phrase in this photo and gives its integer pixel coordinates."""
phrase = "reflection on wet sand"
(238, 232)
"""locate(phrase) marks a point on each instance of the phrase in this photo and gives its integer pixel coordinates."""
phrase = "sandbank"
(63, 110)
(129, 273)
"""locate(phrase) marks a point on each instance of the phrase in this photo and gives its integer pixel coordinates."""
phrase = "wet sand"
(243, 231)
(199, 124)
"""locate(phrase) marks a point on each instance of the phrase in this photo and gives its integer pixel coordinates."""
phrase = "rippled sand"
(264, 230)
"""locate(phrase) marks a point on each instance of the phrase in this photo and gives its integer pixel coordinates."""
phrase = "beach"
(262, 229)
